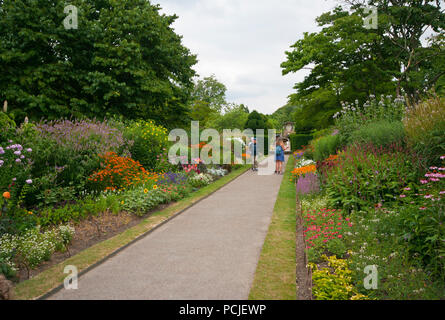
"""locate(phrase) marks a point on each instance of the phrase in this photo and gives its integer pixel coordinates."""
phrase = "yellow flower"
(145, 191)
(122, 202)
(29, 212)
(155, 187)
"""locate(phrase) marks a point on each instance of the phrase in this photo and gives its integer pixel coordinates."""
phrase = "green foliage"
(336, 285)
(425, 127)
(124, 59)
(6, 127)
(82, 209)
(283, 115)
(367, 175)
(149, 141)
(234, 117)
(298, 141)
(210, 92)
(140, 201)
(354, 117)
(326, 146)
(381, 133)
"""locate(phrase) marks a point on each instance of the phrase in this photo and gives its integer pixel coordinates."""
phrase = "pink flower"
(422, 208)
(423, 181)
(340, 236)
(402, 196)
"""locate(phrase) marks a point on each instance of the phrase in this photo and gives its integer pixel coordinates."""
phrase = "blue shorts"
(279, 158)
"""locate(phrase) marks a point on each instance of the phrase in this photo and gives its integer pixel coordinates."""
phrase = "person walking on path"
(279, 156)
(253, 153)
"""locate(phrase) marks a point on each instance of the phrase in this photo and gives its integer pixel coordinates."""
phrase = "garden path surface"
(210, 251)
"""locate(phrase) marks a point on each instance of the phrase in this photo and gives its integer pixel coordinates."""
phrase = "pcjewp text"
(238, 310)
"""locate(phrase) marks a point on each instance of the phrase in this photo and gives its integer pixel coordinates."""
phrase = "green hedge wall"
(299, 140)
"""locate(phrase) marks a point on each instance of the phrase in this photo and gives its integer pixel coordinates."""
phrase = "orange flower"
(6, 195)
(304, 170)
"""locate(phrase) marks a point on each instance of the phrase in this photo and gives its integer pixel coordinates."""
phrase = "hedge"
(298, 141)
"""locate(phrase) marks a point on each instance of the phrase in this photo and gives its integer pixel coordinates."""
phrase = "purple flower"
(14, 179)
(17, 153)
(308, 184)
(18, 160)
(29, 181)
(1, 162)
(29, 150)
(2, 151)
(407, 189)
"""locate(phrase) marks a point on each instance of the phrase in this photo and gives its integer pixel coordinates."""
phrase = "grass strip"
(53, 277)
(275, 275)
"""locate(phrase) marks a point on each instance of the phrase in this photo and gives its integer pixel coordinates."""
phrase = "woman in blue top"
(279, 156)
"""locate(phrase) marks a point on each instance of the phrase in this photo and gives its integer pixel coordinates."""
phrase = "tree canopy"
(123, 59)
(349, 62)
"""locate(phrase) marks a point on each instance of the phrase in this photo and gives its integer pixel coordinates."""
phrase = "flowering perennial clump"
(324, 225)
(120, 172)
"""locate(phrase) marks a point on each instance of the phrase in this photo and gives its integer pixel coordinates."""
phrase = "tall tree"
(124, 58)
(403, 24)
(210, 91)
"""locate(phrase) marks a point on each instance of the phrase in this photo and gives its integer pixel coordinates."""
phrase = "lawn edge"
(50, 281)
(265, 279)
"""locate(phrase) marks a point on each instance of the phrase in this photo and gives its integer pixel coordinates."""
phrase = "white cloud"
(243, 42)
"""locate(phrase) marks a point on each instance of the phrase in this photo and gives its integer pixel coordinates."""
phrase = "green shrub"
(379, 133)
(150, 142)
(425, 128)
(7, 126)
(326, 146)
(298, 141)
(140, 201)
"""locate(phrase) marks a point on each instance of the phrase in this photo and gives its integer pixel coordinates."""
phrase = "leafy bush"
(298, 141)
(326, 146)
(149, 140)
(425, 128)
(141, 200)
(89, 206)
(379, 133)
(7, 126)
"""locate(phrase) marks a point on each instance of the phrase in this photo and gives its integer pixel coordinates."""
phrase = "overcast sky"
(243, 42)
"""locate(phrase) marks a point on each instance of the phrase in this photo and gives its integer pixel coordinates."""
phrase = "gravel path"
(208, 252)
